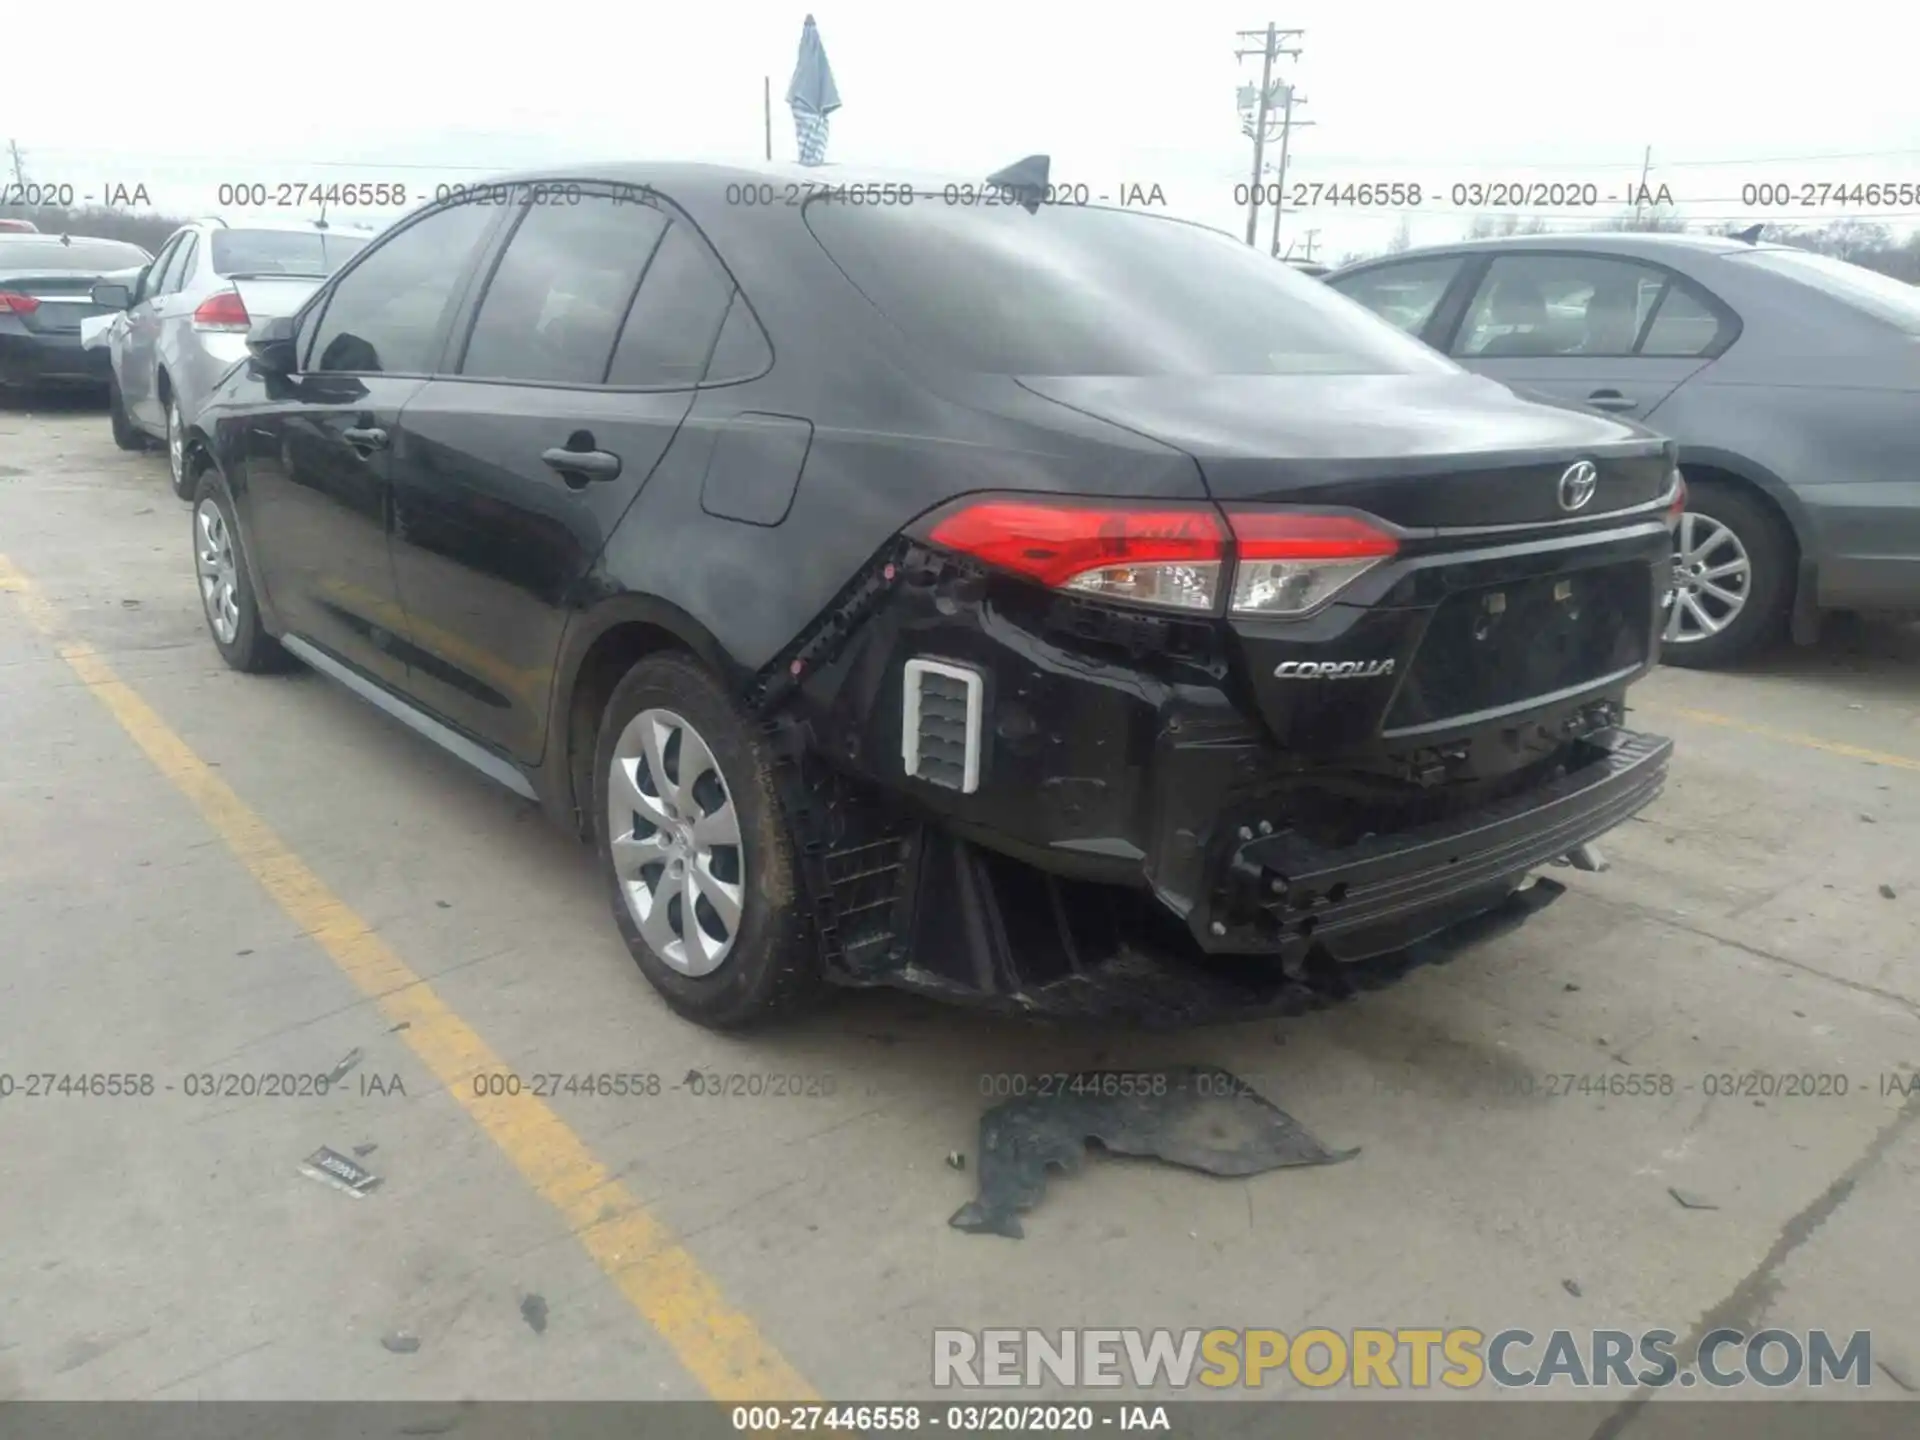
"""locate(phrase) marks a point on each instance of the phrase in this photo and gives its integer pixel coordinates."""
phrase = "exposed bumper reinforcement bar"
(1279, 890)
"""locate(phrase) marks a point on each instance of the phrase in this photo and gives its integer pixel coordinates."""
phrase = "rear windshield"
(282, 252)
(1085, 290)
(1880, 296)
(45, 253)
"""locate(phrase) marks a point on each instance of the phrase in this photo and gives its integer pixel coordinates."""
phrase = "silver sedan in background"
(1791, 381)
(183, 322)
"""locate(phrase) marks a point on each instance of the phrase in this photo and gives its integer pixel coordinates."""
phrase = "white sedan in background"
(182, 323)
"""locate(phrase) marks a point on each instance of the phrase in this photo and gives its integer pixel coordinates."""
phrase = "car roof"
(1605, 242)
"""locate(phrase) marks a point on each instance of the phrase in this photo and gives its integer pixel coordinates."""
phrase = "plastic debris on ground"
(1196, 1117)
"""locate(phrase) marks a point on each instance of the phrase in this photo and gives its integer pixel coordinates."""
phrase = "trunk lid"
(65, 300)
(268, 297)
(1425, 452)
(1505, 614)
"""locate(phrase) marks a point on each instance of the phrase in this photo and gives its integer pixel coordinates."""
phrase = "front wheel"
(226, 590)
(696, 850)
(1733, 570)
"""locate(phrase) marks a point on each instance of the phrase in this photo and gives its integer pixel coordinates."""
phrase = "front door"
(317, 494)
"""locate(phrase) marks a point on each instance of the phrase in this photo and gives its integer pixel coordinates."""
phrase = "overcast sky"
(1727, 94)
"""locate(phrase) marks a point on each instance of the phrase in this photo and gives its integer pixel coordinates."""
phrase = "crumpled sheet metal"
(1204, 1119)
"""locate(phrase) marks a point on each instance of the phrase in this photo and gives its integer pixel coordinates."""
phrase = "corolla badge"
(1332, 669)
(1577, 484)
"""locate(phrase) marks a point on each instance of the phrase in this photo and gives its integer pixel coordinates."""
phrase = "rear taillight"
(16, 304)
(1175, 557)
(1167, 556)
(1678, 506)
(1293, 561)
(221, 311)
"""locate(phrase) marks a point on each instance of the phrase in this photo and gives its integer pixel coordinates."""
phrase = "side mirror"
(271, 344)
(112, 295)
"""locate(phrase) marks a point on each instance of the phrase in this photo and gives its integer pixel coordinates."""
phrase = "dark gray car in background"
(1790, 380)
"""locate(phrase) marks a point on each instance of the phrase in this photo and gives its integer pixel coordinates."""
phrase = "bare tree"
(1402, 236)
(1488, 227)
(1858, 242)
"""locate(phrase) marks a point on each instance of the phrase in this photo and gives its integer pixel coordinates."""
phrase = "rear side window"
(741, 352)
(558, 298)
(182, 266)
(676, 317)
(1089, 290)
(385, 314)
(1404, 295)
(283, 252)
(1684, 325)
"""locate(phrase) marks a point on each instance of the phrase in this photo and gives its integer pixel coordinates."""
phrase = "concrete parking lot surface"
(204, 874)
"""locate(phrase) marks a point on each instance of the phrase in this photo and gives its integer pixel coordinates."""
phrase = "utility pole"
(19, 162)
(1646, 163)
(1312, 237)
(1287, 122)
(1267, 44)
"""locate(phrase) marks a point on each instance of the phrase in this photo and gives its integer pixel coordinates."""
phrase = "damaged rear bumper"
(1279, 892)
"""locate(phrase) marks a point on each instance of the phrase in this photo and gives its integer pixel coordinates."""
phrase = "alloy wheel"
(176, 445)
(675, 841)
(219, 577)
(1712, 577)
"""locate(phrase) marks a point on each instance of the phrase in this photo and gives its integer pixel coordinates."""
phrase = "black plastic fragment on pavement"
(1202, 1119)
(533, 1310)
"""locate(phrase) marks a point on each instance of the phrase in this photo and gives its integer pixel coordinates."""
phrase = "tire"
(178, 472)
(1726, 522)
(220, 570)
(126, 434)
(726, 977)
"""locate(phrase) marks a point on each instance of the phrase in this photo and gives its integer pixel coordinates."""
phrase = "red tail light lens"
(1167, 556)
(1679, 505)
(222, 311)
(1294, 561)
(16, 304)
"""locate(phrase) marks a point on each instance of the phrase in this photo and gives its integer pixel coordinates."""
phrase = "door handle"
(371, 438)
(1611, 400)
(594, 464)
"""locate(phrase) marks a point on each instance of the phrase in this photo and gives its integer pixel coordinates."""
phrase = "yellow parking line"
(722, 1348)
(1788, 737)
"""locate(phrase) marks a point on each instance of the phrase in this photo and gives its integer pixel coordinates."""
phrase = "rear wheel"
(126, 434)
(177, 451)
(697, 851)
(1733, 567)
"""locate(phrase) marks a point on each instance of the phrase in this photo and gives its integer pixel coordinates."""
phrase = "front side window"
(386, 314)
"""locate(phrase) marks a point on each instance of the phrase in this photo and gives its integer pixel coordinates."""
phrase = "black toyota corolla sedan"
(1053, 606)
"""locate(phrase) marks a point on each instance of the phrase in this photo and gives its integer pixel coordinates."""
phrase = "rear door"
(1609, 333)
(579, 363)
(317, 499)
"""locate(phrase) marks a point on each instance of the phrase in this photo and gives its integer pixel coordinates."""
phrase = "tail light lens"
(1173, 557)
(1679, 505)
(1168, 556)
(222, 311)
(1293, 561)
(16, 304)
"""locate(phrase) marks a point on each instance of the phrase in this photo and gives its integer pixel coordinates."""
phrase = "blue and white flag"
(812, 96)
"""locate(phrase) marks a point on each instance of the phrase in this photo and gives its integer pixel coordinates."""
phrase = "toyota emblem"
(1577, 484)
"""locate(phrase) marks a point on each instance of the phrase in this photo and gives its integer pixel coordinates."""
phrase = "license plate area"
(1498, 646)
